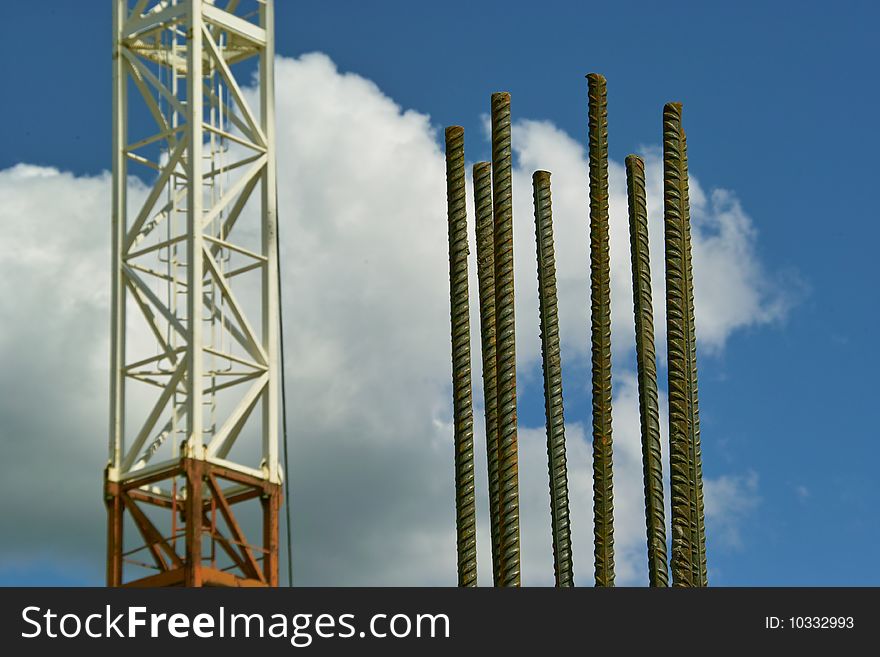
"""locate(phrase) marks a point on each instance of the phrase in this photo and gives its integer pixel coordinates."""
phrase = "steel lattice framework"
(195, 300)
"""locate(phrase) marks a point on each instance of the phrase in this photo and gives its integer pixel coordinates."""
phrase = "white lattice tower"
(195, 302)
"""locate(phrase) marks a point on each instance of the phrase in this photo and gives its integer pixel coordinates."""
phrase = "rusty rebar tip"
(454, 131)
(634, 160)
(672, 107)
(540, 174)
(595, 77)
(501, 97)
(481, 167)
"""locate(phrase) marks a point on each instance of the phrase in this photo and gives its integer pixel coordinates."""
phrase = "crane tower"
(193, 483)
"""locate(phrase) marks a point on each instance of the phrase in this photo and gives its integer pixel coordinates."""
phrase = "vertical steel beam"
(465, 509)
(600, 306)
(552, 367)
(649, 413)
(688, 535)
(271, 503)
(482, 174)
(115, 509)
(194, 471)
(195, 235)
(112, 500)
(505, 342)
(271, 297)
(118, 228)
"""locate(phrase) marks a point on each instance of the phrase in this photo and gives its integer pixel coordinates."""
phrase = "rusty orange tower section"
(193, 482)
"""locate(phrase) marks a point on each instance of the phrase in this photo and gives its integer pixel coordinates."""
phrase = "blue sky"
(780, 104)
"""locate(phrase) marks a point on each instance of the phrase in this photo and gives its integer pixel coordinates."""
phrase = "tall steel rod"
(698, 525)
(649, 413)
(465, 509)
(688, 533)
(600, 306)
(482, 174)
(505, 354)
(552, 367)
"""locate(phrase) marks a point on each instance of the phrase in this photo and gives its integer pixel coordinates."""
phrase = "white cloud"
(53, 345)
(362, 195)
(729, 499)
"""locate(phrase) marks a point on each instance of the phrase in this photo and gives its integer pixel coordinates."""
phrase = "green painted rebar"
(482, 174)
(600, 306)
(677, 347)
(505, 344)
(465, 510)
(688, 534)
(698, 525)
(552, 365)
(649, 413)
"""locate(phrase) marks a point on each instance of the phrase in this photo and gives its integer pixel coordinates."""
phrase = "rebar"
(482, 174)
(505, 353)
(698, 525)
(688, 533)
(649, 412)
(465, 509)
(552, 367)
(600, 306)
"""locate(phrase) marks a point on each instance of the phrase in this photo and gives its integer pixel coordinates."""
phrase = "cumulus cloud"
(729, 499)
(53, 343)
(362, 197)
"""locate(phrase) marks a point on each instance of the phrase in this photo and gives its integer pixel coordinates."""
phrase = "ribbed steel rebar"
(688, 549)
(482, 174)
(465, 509)
(698, 524)
(649, 412)
(552, 365)
(505, 343)
(600, 306)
